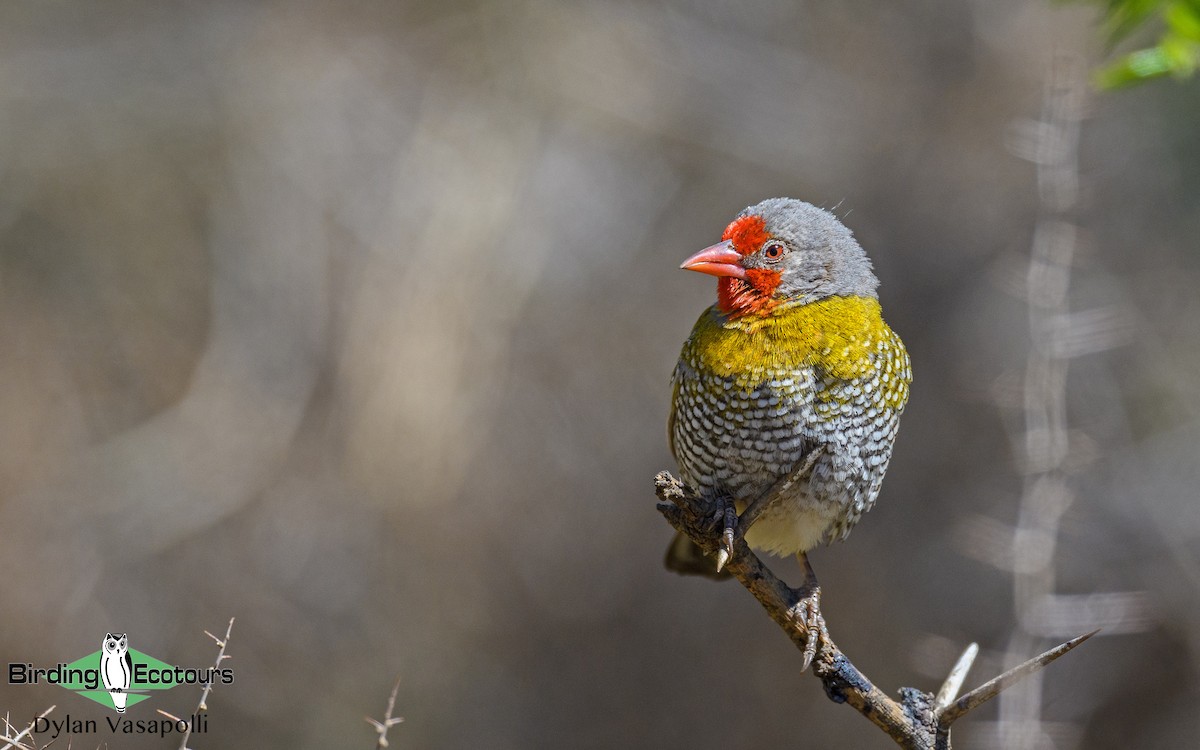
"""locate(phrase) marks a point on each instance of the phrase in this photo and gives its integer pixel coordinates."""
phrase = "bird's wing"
(671, 414)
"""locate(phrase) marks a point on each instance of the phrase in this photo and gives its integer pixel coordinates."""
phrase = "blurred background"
(355, 321)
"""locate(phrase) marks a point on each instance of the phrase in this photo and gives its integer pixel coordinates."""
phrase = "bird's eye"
(773, 250)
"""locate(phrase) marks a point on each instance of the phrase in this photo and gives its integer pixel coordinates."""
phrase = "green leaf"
(1124, 16)
(1176, 52)
(1180, 54)
(1134, 68)
(1184, 20)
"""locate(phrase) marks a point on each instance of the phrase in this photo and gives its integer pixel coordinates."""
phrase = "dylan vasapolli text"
(198, 723)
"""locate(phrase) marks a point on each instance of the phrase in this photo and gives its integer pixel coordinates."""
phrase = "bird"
(788, 392)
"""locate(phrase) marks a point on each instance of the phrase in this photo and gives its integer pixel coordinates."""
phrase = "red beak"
(719, 260)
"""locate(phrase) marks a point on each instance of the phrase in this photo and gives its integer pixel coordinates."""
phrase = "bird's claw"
(808, 612)
(729, 521)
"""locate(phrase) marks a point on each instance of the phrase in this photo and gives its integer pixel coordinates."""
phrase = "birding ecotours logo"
(116, 676)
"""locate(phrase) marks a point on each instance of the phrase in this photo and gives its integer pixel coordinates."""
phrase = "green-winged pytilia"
(791, 385)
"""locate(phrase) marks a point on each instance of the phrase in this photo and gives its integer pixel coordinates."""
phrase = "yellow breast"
(838, 334)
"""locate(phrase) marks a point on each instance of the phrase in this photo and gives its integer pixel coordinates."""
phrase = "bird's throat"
(752, 295)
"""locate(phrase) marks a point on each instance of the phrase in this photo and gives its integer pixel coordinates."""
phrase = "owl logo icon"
(116, 668)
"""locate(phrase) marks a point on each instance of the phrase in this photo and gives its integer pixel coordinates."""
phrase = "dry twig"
(1046, 442)
(917, 720)
(954, 681)
(11, 740)
(389, 721)
(222, 643)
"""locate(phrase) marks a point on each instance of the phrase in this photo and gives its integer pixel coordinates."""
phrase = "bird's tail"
(687, 559)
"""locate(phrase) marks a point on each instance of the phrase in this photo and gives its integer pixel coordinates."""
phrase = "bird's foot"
(705, 523)
(733, 524)
(807, 612)
(728, 519)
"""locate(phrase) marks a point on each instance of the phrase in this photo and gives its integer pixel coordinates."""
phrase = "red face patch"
(736, 297)
(747, 234)
(765, 280)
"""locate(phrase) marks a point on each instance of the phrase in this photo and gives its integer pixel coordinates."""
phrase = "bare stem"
(389, 721)
(992, 687)
(916, 721)
(954, 680)
(15, 740)
(222, 643)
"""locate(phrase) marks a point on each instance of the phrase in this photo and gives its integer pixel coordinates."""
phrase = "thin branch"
(382, 727)
(992, 687)
(15, 740)
(222, 643)
(954, 680)
(1047, 444)
(843, 682)
(912, 722)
